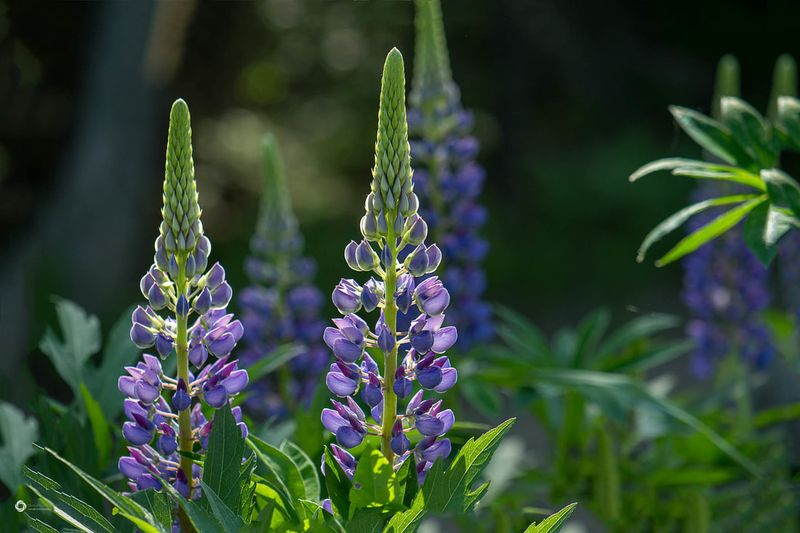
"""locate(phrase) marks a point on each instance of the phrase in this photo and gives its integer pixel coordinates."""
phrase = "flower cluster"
(447, 177)
(281, 306)
(164, 413)
(399, 286)
(726, 288)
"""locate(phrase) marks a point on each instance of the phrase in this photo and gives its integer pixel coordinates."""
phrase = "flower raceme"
(447, 177)
(164, 414)
(281, 305)
(391, 229)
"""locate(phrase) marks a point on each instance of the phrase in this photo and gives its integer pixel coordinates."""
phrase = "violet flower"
(391, 229)
(448, 180)
(281, 306)
(186, 316)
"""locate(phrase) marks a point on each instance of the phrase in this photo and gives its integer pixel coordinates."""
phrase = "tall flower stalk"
(448, 179)
(186, 316)
(391, 229)
(281, 305)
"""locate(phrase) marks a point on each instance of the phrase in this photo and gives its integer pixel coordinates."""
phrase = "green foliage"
(751, 145)
(19, 433)
(223, 462)
(554, 522)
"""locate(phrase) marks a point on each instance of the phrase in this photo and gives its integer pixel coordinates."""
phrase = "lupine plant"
(395, 413)
(160, 407)
(281, 306)
(447, 177)
(746, 147)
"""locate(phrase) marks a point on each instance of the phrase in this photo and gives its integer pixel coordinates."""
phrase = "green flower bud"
(784, 83)
(727, 83)
(392, 187)
(181, 227)
(432, 76)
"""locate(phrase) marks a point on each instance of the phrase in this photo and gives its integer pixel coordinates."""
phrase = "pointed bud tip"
(179, 109)
(394, 66)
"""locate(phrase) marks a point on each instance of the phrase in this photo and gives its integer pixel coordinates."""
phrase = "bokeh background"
(569, 98)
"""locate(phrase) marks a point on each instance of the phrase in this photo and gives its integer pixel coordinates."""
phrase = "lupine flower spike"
(281, 306)
(726, 288)
(447, 177)
(391, 229)
(185, 316)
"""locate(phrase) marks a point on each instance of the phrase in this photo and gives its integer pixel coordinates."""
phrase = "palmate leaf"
(81, 339)
(118, 352)
(375, 483)
(554, 522)
(308, 470)
(694, 168)
(710, 231)
(676, 220)
(18, 433)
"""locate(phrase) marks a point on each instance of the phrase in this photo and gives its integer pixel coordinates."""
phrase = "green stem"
(184, 417)
(390, 359)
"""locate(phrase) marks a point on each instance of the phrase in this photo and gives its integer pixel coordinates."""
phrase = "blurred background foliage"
(569, 99)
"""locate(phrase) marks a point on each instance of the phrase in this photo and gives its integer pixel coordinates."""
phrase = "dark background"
(570, 97)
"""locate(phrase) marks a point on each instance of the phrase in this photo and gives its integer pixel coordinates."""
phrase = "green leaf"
(127, 507)
(782, 189)
(118, 352)
(711, 135)
(554, 522)
(230, 521)
(307, 469)
(789, 120)
(158, 504)
(374, 482)
(749, 130)
(636, 330)
(629, 393)
(100, 430)
(473, 497)
(19, 433)
(67, 507)
(407, 521)
(677, 219)
(762, 230)
(409, 486)
(197, 515)
(367, 521)
(777, 415)
(224, 458)
(40, 526)
(694, 168)
(589, 332)
(607, 483)
(337, 484)
(275, 468)
(81, 339)
(713, 229)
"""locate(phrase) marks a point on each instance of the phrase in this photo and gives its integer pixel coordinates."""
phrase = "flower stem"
(390, 359)
(182, 350)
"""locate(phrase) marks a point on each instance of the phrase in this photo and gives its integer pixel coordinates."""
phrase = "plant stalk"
(390, 359)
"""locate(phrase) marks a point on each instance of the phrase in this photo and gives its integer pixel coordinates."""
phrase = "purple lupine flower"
(413, 357)
(726, 289)
(185, 315)
(281, 306)
(448, 179)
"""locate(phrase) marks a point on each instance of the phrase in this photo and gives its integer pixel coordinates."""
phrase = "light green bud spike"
(392, 196)
(784, 83)
(432, 75)
(276, 210)
(181, 227)
(727, 83)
